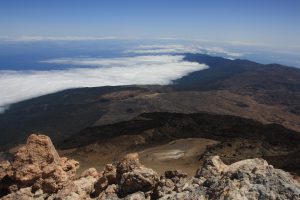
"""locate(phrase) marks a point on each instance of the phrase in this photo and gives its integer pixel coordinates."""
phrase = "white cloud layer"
(168, 49)
(158, 49)
(159, 69)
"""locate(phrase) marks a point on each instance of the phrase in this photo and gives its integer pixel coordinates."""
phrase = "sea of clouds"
(141, 64)
(162, 49)
(16, 86)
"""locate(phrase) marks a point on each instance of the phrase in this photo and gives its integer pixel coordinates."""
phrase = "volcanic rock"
(246, 179)
(37, 172)
(134, 177)
(37, 165)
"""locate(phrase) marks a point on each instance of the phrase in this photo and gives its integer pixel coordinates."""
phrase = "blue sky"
(274, 22)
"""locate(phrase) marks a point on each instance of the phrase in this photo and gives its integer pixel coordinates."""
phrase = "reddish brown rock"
(90, 172)
(4, 168)
(37, 172)
(107, 177)
(128, 163)
(22, 194)
(133, 176)
(128, 176)
(38, 164)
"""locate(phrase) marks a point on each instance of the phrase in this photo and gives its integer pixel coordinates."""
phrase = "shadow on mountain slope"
(238, 138)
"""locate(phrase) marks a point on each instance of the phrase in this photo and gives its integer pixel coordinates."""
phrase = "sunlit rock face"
(38, 165)
(38, 172)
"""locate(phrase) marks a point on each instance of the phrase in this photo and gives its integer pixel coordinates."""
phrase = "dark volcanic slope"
(270, 84)
(213, 77)
(239, 138)
(266, 93)
(58, 115)
(169, 126)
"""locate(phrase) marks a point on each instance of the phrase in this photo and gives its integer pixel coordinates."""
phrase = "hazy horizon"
(268, 23)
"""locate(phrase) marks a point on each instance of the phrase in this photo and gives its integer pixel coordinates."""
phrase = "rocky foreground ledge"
(38, 172)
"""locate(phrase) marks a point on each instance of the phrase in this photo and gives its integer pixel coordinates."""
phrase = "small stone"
(90, 172)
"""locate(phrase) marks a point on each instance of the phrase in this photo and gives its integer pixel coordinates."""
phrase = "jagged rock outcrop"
(127, 177)
(37, 165)
(246, 179)
(252, 179)
(134, 177)
(38, 172)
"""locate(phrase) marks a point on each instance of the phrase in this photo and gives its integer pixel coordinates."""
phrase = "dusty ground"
(182, 154)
